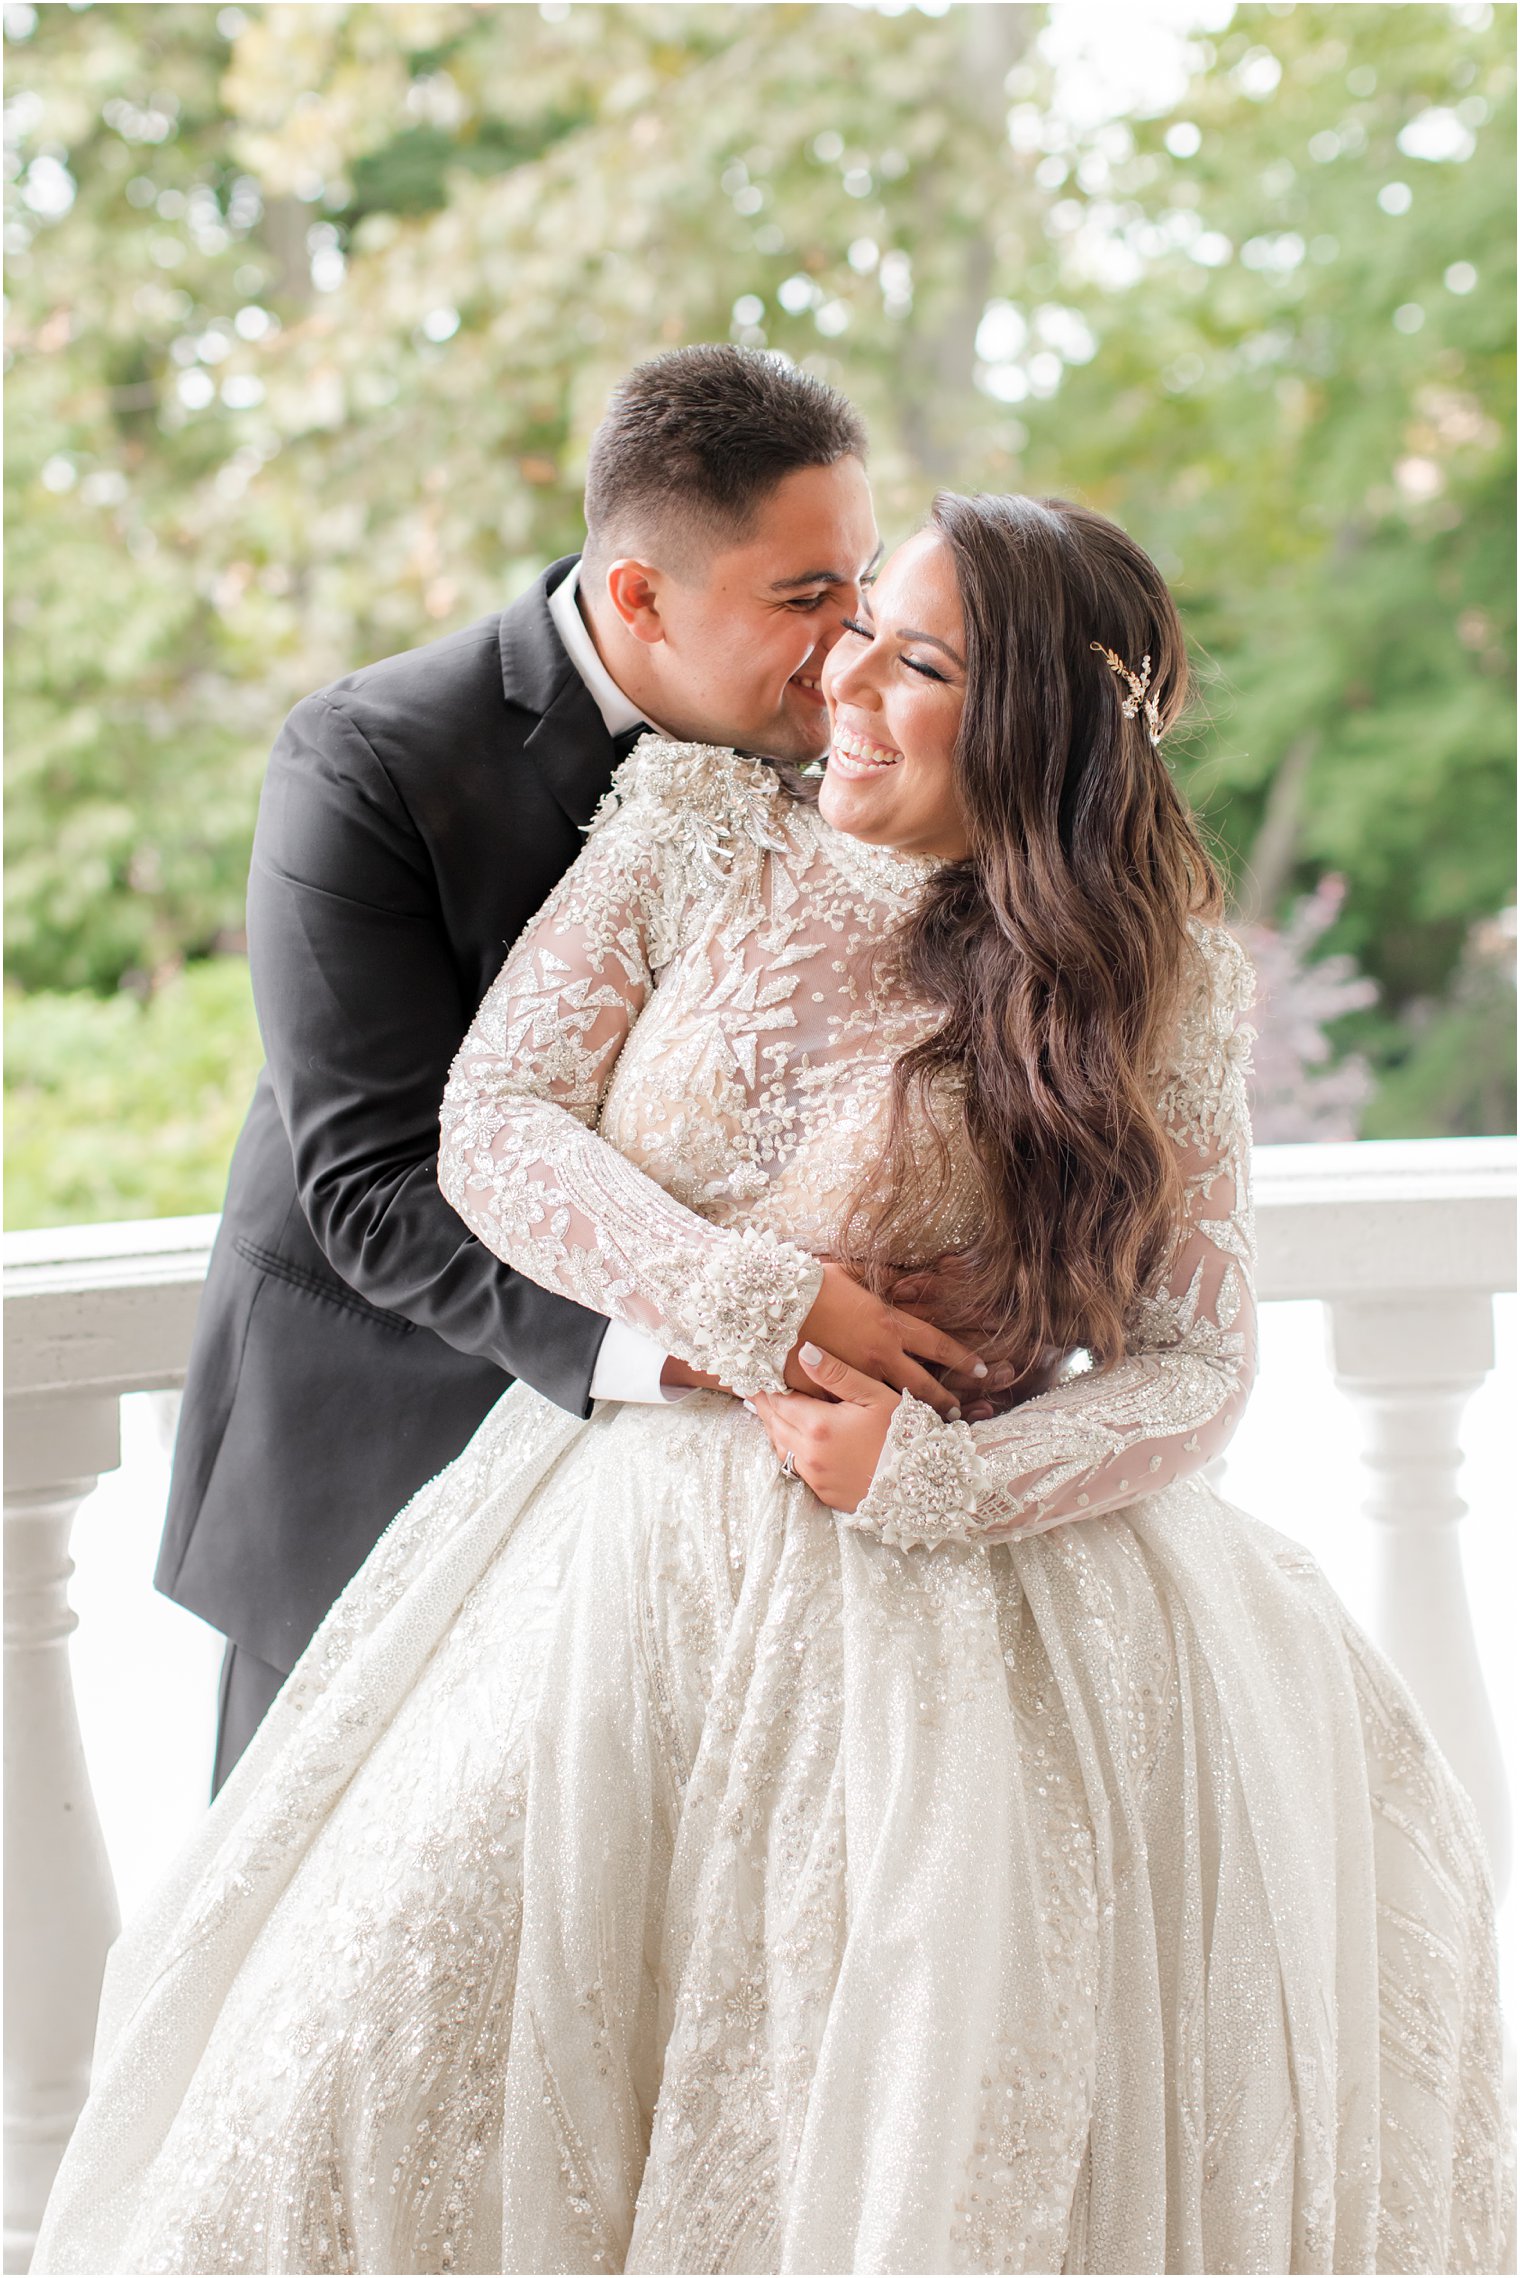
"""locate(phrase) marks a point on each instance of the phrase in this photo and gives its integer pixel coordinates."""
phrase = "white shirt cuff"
(628, 1367)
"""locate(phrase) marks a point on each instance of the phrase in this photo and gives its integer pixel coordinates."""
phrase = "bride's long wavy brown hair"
(1059, 950)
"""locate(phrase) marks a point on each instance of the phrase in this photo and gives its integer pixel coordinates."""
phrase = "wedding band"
(788, 1467)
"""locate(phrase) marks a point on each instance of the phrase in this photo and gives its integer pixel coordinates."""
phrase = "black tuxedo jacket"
(352, 1333)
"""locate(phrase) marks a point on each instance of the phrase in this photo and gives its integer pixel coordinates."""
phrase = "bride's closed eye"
(866, 632)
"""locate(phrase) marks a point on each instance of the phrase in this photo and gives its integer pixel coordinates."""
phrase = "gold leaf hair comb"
(1137, 682)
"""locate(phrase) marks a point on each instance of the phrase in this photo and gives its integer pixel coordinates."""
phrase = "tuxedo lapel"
(568, 743)
(572, 750)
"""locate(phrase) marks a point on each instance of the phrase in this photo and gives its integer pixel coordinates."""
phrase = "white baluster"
(1411, 1364)
(60, 1903)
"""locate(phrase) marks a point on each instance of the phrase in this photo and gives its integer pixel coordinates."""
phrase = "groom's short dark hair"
(694, 442)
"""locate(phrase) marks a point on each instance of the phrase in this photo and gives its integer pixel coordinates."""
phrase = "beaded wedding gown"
(648, 1869)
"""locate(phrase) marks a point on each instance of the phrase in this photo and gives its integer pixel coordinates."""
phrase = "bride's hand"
(835, 1444)
(881, 1342)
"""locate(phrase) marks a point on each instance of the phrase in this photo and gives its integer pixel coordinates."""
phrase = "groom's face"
(745, 630)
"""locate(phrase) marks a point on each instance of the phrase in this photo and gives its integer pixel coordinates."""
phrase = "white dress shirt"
(629, 1365)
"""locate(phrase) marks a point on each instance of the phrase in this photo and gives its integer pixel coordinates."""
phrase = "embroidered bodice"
(757, 1085)
(670, 1094)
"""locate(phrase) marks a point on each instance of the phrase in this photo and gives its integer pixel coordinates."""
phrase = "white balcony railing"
(1405, 1243)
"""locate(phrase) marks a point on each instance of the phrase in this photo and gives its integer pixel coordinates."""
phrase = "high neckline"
(882, 870)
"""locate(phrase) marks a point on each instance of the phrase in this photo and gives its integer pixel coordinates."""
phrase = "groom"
(352, 1334)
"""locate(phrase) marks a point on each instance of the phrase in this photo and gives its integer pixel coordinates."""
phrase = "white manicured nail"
(811, 1355)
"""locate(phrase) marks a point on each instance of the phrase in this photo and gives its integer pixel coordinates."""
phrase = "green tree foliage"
(87, 1137)
(313, 309)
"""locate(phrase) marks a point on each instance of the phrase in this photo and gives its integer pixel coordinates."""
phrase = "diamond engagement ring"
(788, 1467)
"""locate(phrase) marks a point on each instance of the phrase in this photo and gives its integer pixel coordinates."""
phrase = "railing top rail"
(1387, 1170)
(1378, 1218)
(1360, 1171)
(102, 1309)
(58, 1257)
(111, 1307)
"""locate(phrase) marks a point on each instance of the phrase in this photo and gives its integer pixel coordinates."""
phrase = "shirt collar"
(618, 714)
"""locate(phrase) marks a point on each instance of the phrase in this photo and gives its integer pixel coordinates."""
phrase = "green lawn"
(116, 1108)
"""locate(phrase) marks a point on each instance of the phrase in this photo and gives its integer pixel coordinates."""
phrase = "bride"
(768, 1833)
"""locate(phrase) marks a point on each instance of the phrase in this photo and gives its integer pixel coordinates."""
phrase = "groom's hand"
(936, 1291)
(880, 1341)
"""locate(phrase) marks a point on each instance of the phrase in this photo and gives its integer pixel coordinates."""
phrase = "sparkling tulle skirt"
(641, 1871)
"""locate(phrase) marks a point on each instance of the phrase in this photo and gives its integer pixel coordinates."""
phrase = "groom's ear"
(635, 590)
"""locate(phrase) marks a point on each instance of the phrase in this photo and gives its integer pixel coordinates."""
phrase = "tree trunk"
(939, 404)
(1264, 877)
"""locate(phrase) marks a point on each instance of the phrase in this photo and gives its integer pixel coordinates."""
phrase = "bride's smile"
(895, 685)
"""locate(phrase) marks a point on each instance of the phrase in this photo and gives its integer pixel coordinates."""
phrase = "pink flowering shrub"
(1300, 1090)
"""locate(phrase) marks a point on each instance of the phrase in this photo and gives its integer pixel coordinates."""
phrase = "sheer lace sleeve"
(1096, 1441)
(519, 1158)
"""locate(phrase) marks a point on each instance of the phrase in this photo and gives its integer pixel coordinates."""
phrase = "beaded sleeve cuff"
(926, 1484)
(738, 1314)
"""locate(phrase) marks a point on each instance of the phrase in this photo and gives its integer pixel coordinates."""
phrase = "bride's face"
(895, 683)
